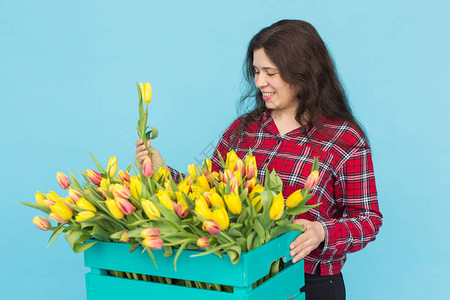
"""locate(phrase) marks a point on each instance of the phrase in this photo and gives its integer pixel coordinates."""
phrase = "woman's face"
(277, 94)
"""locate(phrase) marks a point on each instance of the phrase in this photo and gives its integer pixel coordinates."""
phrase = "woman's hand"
(307, 241)
(141, 153)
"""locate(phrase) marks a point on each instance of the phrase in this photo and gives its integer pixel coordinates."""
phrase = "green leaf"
(279, 230)
(100, 169)
(251, 237)
(222, 162)
(168, 251)
(315, 166)
(152, 134)
(133, 246)
(259, 230)
(300, 210)
(75, 182)
(234, 252)
(80, 247)
(42, 208)
(179, 252)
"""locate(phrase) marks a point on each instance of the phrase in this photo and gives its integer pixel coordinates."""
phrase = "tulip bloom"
(233, 203)
(84, 215)
(146, 91)
(114, 209)
(277, 207)
(94, 176)
(204, 212)
(86, 205)
(153, 243)
(203, 242)
(294, 199)
(39, 198)
(125, 206)
(123, 236)
(207, 166)
(221, 217)
(57, 218)
(192, 171)
(150, 209)
(203, 183)
(227, 176)
(239, 166)
(53, 196)
(312, 179)
(135, 187)
(216, 200)
(41, 222)
(150, 232)
(184, 186)
(62, 210)
(121, 191)
(63, 180)
(147, 167)
(250, 184)
(231, 160)
(161, 173)
(124, 176)
(211, 227)
(250, 167)
(164, 199)
(48, 202)
(256, 200)
(75, 195)
(234, 185)
(112, 166)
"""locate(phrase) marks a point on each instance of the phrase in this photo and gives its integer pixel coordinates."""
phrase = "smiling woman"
(301, 112)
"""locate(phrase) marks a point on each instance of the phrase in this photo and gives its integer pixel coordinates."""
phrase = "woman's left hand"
(309, 240)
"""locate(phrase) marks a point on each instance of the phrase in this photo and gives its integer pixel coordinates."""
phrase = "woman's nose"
(260, 81)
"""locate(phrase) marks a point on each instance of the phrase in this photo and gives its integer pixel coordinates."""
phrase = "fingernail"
(291, 246)
(291, 253)
(294, 260)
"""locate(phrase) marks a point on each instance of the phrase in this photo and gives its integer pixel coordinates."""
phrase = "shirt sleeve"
(355, 192)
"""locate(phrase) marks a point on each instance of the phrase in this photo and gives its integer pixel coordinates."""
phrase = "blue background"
(68, 73)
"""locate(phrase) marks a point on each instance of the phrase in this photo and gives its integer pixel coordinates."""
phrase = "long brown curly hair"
(303, 61)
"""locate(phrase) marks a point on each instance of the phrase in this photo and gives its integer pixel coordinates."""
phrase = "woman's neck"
(285, 121)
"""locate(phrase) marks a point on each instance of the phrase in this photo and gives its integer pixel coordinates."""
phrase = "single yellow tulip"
(84, 204)
(205, 212)
(220, 216)
(233, 203)
(277, 208)
(84, 215)
(150, 209)
(114, 209)
(164, 199)
(161, 173)
(135, 187)
(231, 160)
(62, 210)
(146, 90)
(39, 198)
(294, 199)
(250, 167)
(216, 200)
(112, 166)
(256, 199)
(192, 171)
(203, 183)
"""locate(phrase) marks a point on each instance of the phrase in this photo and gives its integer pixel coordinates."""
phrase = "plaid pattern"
(346, 188)
(349, 212)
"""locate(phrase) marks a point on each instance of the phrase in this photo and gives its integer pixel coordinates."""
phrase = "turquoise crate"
(210, 268)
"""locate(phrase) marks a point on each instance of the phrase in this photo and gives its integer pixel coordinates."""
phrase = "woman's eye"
(271, 74)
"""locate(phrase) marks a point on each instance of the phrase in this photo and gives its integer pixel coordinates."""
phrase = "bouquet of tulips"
(219, 212)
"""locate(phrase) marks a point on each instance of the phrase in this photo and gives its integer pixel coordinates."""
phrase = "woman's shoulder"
(341, 134)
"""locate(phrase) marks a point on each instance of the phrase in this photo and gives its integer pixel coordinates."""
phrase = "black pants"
(324, 287)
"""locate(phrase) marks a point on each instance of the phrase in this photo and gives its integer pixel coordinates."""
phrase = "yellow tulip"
(200, 201)
(294, 199)
(57, 218)
(164, 199)
(256, 200)
(203, 183)
(53, 196)
(192, 171)
(112, 166)
(63, 180)
(41, 222)
(207, 165)
(84, 215)
(161, 173)
(231, 160)
(146, 90)
(86, 205)
(62, 210)
(205, 212)
(220, 216)
(39, 198)
(184, 186)
(135, 187)
(216, 200)
(277, 208)
(233, 203)
(114, 209)
(150, 209)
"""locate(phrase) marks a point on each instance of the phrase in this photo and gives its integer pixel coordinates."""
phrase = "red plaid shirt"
(346, 188)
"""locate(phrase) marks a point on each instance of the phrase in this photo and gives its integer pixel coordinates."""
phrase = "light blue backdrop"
(68, 73)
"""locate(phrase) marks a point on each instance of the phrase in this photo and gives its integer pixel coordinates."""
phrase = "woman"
(301, 112)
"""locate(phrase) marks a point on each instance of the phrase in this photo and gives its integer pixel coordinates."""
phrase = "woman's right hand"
(141, 153)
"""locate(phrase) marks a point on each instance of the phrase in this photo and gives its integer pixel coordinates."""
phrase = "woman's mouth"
(267, 96)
